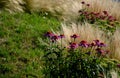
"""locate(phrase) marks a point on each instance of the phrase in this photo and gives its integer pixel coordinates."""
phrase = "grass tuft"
(115, 45)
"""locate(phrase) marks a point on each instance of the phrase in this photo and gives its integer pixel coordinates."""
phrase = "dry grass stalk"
(62, 8)
(13, 5)
(115, 45)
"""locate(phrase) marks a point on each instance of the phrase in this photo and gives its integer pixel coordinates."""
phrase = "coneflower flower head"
(97, 42)
(74, 36)
(54, 38)
(83, 43)
(49, 34)
(105, 13)
(61, 36)
(92, 44)
(73, 45)
(100, 51)
(101, 45)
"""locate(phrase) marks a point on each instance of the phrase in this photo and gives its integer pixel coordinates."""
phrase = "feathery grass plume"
(63, 8)
(70, 9)
(37, 5)
(115, 45)
(105, 5)
(85, 31)
(12, 5)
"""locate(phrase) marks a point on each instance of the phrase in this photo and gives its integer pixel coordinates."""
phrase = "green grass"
(20, 43)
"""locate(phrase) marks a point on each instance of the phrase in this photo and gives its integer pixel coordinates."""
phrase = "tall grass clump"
(12, 5)
(86, 31)
(64, 9)
(115, 45)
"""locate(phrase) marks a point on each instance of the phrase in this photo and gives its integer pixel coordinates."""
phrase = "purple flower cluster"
(48, 34)
(84, 43)
(92, 16)
(96, 44)
(99, 44)
(53, 37)
(61, 36)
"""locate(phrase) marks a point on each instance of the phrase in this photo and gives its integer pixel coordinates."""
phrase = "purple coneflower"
(86, 13)
(83, 43)
(111, 18)
(102, 17)
(105, 12)
(73, 45)
(61, 36)
(54, 38)
(74, 36)
(49, 34)
(92, 44)
(101, 45)
(100, 51)
(97, 42)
